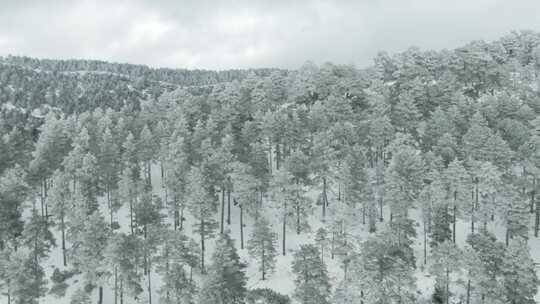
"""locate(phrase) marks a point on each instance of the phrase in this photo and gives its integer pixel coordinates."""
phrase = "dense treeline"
(408, 150)
(83, 85)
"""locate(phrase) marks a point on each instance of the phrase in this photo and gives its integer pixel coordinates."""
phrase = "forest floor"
(282, 280)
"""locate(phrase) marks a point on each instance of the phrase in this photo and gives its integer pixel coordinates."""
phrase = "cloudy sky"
(250, 33)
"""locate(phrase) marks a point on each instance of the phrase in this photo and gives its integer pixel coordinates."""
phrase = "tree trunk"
(270, 155)
(202, 245)
(149, 287)
(468, 292)
(507, 236)
(278, 157)
(425, 242)
(332, 244)
(447, 286)
(63, 228)
(324, 199)
(241, 227)
(537, 220)
(533, 193)
(262, 261)
(381, 208)
(100, 292)
(42, 198)
(298, 220)
(454, 219)
(284, 228)
(228, 206)
(131, 215)
(122, 291)
(181, 218)
(364, 213)
(176, 217)
(115, 285)
(222, 208)
(149, 172)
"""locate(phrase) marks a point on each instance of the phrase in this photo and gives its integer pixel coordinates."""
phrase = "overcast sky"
(250, 33)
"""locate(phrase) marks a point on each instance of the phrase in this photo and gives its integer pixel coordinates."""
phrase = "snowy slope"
(282, 280)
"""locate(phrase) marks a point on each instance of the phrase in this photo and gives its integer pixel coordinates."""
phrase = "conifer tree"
(13, 192)
(262, 246)
(321, 239)
(382, 271)
(202, 206)
(312, 282)
(225, 282)
(446, 260)
(123, 254)
(457, 180)
(88, 253)
(175, 255)
(146, 149)
(518, 268)
(283, 191)
(60, 195)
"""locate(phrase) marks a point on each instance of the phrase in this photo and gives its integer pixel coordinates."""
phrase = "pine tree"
(262, 246)
(312, 282)
(491, 256)
(175, 171)
(225, 282)
(60, 195)
(383, 272)
(175, 255)
(13, 192)
(405, 114)
(88, 253)
(283, 191)
(147, 148)
(88, 182)
(202, 206)
(474, 141)
(246, 189)
(321, 239)
(80, 296)
(457, 180)
(27, 282)
(518, 268)
(446, 260)
(123, 254)
(150, 225)
(108, 163)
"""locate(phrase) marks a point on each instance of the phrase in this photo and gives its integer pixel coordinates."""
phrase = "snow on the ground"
(282, 280)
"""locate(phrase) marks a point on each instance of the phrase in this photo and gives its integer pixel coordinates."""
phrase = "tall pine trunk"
(263, 260)
(100, 295)
(149, 287)
(122, 291)
(324, 199)
(202, 244)
(228, 206)
(454, 218)
(278, 156)
(284, 227)
(222, 208)
(63, 228)
(115, 285)
(131, 215)
(241, 227)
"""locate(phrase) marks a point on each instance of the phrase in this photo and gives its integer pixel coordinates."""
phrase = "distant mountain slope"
(81, 85)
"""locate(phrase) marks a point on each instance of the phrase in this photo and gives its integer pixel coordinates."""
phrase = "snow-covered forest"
(414, 180)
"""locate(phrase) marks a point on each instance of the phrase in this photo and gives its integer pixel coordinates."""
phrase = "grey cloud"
(242, 33)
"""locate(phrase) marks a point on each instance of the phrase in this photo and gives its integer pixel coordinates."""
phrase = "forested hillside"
(414, 180)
